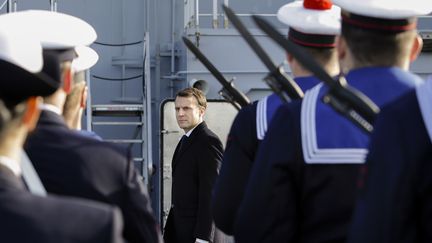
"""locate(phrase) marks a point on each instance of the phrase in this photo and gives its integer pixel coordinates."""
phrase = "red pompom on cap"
(317, 4)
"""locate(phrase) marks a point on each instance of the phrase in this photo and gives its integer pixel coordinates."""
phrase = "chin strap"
(31, 177)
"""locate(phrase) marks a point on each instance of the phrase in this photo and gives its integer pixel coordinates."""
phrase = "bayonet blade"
(278, 80)
(239, 97)
(256, 47)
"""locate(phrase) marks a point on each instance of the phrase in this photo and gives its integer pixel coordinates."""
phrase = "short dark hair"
(322, 55)
(194, 92)
(10, 115)
(370, 47)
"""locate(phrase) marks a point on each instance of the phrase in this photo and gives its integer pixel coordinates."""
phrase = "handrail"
(215, 15)
(197, 14)
(53, 5)
(147, 104)
(3, 4)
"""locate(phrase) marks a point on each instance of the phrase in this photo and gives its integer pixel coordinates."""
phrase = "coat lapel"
(9, 182)
(52, 119)
(178, 153)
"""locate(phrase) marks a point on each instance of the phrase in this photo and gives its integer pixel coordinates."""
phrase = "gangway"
(131, 112)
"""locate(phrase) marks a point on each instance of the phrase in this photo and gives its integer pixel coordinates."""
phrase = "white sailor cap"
(55, 30)
(313, 23)
(383, 15)
(58, 33)
(87, 58)
(20, 63)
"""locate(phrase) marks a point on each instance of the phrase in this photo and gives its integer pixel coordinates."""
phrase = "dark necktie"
(182, 142)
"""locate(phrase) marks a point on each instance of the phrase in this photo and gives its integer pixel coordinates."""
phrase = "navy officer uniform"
(303, 183)
(26, 217)
(252, 122)
(73, 164)
(395, 203)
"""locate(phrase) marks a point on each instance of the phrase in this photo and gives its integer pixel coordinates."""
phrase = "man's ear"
(202, 111)
(416, 48)
(32, 112)
(67, 79)
(341, 47)
(84, 94)
(290, 58)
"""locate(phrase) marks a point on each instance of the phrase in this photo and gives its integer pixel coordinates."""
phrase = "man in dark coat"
(303, 184)
(70, 163)
(251, 124)
(194, 170)
(26, 217)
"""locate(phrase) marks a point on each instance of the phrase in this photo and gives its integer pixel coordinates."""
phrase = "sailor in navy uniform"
(76, 100)
(303, 183)
(26, 217)
(68, 162)
(395, 201)
(317, 35)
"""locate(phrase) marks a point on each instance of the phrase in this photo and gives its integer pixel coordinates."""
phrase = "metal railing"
(11, 6)
(216, 15)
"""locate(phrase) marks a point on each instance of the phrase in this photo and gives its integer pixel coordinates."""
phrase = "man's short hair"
(10, 115)
(370, 47)
(322, 55)
(194, 92)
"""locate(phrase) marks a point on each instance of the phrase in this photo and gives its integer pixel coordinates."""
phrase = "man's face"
(188, 113)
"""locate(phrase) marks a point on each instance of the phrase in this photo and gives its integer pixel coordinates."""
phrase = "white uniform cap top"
(310, 21)
(21, 49)
(21, 59)
(86, 59)
(386, 9)
(54, 30)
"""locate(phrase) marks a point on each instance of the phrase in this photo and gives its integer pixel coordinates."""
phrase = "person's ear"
(84, 94)
(290, 58)
(67, 79)
(341, 47)
(32, 112)
(416, 48)
(202, 111)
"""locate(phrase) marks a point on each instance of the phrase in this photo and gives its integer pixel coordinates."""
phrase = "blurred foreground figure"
(26, 217)
(68, 162)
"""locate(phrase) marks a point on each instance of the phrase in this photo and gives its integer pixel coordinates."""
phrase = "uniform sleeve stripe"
(424, 97)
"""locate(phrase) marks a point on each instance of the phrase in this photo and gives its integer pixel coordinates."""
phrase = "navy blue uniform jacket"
(247, 131)
(29, 218)
(303, 183)
(72, 164)
(194, 171)
(395, 201)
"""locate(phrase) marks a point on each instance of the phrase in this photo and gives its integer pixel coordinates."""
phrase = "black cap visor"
(18, 84)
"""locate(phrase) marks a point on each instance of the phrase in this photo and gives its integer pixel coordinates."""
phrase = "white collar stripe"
(311, 153)
(261, 118)
(11, 164)
(424, 97)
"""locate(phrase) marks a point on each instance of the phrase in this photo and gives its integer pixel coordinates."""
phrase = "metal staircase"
(128, 113)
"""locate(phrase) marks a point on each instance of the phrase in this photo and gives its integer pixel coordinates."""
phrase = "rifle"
(228, 91)
(346, 100)
(282, 84)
